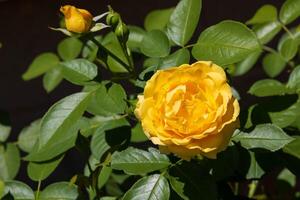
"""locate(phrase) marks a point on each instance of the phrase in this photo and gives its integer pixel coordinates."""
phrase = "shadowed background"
(24, 33)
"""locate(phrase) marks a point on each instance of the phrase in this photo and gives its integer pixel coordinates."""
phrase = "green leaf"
(52, 79)
(266, 136)
(177, 186)
(137, 134)
(108, 102)
(104, 176)
(9, 161)
(59, 127)
(273, 64)
(245, 65)
(266, 13)
(254, 171)
(2, 185)
(59, 191)
(288, 176)
(157, 19)
(155, 43)
(79, 71)
(293, 147)
(294, 79)
(40, 65)
(181, 56)
(136, 35)
(19, 190)
(29, 135)
(4, 132)
(288, 48)
(40, 171)
(69, 48)
(289, 11)
(267, 87)
(90, 49)
(266, 32)
(137, 161)
(183, 21)
(152, 187)
(226, 43)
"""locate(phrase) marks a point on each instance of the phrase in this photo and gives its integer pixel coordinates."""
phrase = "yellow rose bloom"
(189, 110)
(77, 20)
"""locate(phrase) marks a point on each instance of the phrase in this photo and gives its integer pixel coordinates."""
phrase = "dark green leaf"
(19, 190)
(254, 171)
(155, 43)
(104, 176)
(40, 65)
(181, 56)
(184, 20)
(137, 161)
(226, 43)
(52, 79)
(266, 13)
(288, 176)
(273, 64)
(157, 19)
(266, 136)
(90, 49)
(59, 127)
(9, 161)
(245, 65)
(294, 79)
(267, 87)
(137, 134)
(59, 191)
(293, 147)
(152, 187)
(29, 135)
(177, 186)
(289, 11)
(69, 48)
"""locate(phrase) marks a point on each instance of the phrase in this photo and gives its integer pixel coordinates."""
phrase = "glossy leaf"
(293, 147)
(181, 56)
(40, 65)
(9, 161)
(294, 79)
(137, 134)
(79, 71)
(137, 161)
(245, 65)
(255, 171)
(69, 48)
(289, 11)
(155, 43)
(266, 32)
(288, 48)
(183, 21)
(157, 19)
(177, 186)
(19, 190)
(267, 87)
(149, 188)
(52, 79)
(29, 135)
(273, 64)
(104, 176)
(226, 43)
(266, 136)
(59, 190)
(136, 35)
(59, 124)
(40, 171)
(266, 13)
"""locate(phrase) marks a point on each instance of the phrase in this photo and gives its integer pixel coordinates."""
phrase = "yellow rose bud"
(77, 20)
(189, 110)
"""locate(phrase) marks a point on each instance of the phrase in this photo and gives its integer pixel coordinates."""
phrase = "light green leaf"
(40, 171)
(90, 49)
(294, 79)
(155, 43)
(52, 79)
(40, 65)
(288, 48)
(179, 57)
(137, 134)
(136, 35)
(266, 136)
(273, 64)
(2, 185)
(266, 13)
(288, 176)
(226, 43)
(183, 21)
(59, 191)
(293, 147)
(266, 32)
(245, 65)
(289, 11)
(19, 190)
(59, 127)
(152, 187)
(104, 176)
(9, 161)
(79, 71)
(29, 135)
(137, 161)
(177, 186)
(267, 87)
(4, 132)
(157, 19)
(69, 48)
(254, 171)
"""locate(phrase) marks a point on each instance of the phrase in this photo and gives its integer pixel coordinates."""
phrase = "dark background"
(24, 33)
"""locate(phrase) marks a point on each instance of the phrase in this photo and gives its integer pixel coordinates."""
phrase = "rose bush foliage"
(179, 130)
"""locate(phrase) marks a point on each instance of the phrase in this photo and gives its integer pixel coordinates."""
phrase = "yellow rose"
(77, 20)
(189, 110)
